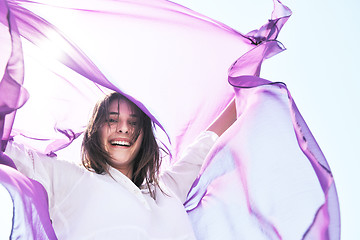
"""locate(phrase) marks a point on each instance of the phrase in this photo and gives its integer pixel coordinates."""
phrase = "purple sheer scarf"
(173, 63)
(257, 181)
(31, 218)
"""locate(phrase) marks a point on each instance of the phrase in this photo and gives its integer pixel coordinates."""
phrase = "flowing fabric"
(28, 197)
(266, 178)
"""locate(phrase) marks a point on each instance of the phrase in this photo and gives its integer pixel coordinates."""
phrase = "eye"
(133, 123)
(111, 120)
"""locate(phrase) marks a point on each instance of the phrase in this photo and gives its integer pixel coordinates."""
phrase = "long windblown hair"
(95, 158)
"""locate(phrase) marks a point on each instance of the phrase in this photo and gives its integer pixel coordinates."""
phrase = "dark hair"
(94, 157)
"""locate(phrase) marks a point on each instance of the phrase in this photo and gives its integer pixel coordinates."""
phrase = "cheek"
(139, 141)
(103, 134)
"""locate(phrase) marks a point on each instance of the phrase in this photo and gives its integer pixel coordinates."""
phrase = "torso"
(99, 206)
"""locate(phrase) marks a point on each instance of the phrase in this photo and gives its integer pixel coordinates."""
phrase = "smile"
(121, 143)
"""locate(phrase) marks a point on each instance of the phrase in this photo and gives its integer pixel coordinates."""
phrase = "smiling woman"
(121, 177)
(114, 136)
(121, 136)
(174, 67)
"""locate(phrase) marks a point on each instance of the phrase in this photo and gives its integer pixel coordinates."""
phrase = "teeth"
(120, 143)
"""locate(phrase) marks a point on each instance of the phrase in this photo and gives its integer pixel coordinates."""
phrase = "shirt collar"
(124, 181)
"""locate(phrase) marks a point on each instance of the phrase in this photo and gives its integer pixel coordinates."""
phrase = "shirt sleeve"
(180, 177)
(57, 177)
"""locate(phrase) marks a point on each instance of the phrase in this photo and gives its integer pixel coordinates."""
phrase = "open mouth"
(120, 143)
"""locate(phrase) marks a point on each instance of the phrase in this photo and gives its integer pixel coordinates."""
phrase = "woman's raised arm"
(225, 119)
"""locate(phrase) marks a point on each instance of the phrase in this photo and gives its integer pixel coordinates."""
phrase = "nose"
(122, 127)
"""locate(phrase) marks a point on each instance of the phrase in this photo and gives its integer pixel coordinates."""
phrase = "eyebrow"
(131, 115)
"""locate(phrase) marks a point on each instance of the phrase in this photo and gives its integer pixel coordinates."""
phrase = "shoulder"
(207, 138)
(27, 157)
(199, 148)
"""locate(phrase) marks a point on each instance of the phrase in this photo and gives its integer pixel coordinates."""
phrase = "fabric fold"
(269, 145)
(12, 93)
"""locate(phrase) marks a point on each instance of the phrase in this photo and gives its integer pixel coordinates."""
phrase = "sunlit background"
(320, 67)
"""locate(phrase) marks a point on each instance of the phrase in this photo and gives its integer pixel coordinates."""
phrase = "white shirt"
(86, 205)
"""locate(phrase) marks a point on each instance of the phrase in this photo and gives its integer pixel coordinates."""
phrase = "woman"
(120, 193)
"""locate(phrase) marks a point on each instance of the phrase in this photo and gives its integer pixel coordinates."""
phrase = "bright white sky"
(320, 68)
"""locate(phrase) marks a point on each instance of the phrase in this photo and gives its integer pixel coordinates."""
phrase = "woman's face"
(119, 136)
